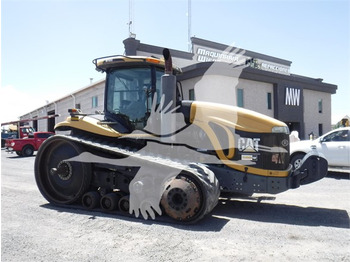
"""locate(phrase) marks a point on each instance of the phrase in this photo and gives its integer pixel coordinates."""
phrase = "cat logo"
(248, 144)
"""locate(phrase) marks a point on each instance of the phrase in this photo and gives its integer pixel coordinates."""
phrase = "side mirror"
(322, 140)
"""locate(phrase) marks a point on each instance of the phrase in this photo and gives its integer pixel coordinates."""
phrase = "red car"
(27, 146)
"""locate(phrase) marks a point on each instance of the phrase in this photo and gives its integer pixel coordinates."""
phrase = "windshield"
(130, 92)
(339, 136)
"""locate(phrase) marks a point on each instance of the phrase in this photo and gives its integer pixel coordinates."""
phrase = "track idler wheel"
(91, 200)
(59, 180)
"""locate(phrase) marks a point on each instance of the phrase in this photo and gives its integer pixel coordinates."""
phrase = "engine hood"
(235, 117)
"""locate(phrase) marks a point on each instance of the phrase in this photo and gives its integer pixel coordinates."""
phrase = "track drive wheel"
(61, 181)
(182, 199)
(191, 195)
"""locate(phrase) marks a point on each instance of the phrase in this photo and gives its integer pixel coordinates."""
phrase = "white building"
(266, 86)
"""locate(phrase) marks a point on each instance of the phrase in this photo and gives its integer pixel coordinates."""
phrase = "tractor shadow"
(338, 175)
(228, 210)
(282, 214)
(209, 223)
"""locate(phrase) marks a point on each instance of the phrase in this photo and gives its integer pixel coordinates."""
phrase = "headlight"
(280, 129)
(13, 143)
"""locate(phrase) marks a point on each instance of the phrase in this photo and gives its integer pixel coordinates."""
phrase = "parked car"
(14, 132)
(26, 146)
(335, 146)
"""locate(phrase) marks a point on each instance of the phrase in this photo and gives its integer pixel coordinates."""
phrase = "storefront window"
(269, 101)
(320, 129)
(191, 94)
(240, 101)
(320, 106)
(94, 101)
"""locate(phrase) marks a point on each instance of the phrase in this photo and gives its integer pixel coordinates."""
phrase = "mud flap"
(313, 167)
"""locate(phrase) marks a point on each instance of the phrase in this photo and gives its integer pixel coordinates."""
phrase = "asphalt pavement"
(310, 223)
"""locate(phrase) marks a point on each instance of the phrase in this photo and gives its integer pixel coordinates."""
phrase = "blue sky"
(47, 46)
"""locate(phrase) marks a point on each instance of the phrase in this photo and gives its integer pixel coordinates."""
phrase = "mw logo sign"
(292, 97)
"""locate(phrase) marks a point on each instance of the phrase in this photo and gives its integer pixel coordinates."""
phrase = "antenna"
(131, 18)
(189, 25)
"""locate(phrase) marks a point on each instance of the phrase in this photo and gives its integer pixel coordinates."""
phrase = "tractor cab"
(131, 85)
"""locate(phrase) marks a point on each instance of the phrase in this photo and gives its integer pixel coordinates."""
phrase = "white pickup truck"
(335, 146)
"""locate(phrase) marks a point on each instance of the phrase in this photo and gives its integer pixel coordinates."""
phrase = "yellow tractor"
(153, 152)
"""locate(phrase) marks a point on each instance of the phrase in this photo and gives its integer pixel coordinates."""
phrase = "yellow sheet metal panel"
(92, 125)
(88, 124)
(204, 113)
(231, 116)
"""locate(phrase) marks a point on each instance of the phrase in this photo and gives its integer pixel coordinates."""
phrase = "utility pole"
(189, 25)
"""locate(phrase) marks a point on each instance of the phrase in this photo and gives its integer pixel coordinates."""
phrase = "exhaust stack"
(168, 86)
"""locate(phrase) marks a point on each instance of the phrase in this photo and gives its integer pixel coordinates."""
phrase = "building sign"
(292, 97)
(207, 54)
(210, 55)
(267, 66)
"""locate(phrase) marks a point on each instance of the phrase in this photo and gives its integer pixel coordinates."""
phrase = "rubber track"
(206, 177)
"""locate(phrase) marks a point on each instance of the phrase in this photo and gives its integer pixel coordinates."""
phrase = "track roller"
(124, 204)
(109, 202)
(91, 200)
